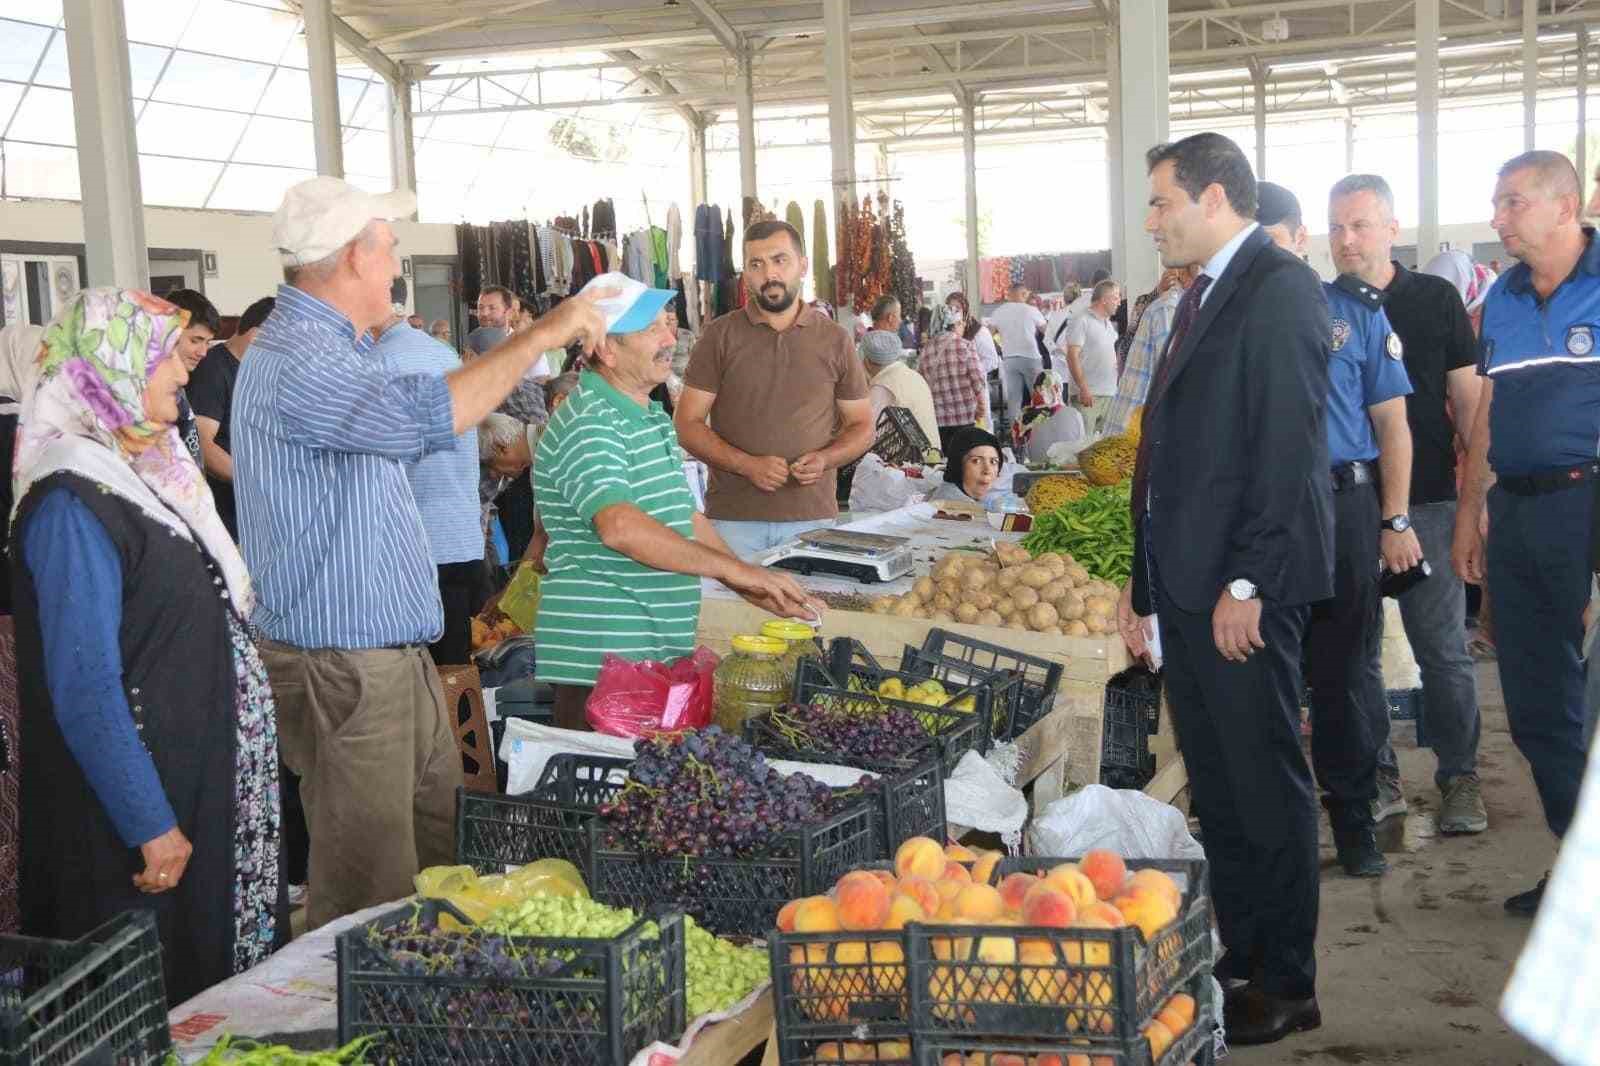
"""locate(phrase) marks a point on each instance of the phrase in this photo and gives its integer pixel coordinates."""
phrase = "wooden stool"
(464, 701)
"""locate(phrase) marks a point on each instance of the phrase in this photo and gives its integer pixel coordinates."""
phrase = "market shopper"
(349, 595)
(949, 363)
(627, 547)
(1021, 326)
(203, 326)
(1440, 354)
(971, 467)
(1144, 355)
(495, 304)
(1091, 348)
(894, 384)
(1535, 429)
(1369, 452)
(1234, 534)
(445, 486)
(1046, 420)
(210, 392)
(973, 329)
(150, 769)
(786, 401)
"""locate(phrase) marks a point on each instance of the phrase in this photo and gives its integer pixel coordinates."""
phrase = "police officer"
(1369, 445)
(1536, 429)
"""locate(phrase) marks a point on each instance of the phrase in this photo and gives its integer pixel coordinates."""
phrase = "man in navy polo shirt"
(1368, 436)
(1536, 429)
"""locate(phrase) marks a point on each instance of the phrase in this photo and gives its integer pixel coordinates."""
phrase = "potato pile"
(1007, 587)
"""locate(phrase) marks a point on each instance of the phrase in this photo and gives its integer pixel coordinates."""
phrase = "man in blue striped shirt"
(445, 486)
(348, 592)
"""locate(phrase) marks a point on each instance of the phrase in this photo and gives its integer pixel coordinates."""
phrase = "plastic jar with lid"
(749, 681)
(801, 640)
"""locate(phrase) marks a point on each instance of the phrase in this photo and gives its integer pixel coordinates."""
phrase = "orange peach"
(1047, 1059)
(922, 891)
(1069, 879)
(889, 880)
(979, 902)
(1161, 883)
(863, 902)
(958, 853)
(954, 871)
(1169, 1017)
(1183, 1005)
(1013, 887)
(1046, 905)
(1001, 950)
(983, 869)
(786, 915)
(1106, 870)
(1102, 916)
(949, 889)
(816, 914)
(902, 910)
(920, 857)
(1147, 909)
(888, 969)
(1160, 1038)
(890, 1050)
(832, 1051)
(1006, 1058)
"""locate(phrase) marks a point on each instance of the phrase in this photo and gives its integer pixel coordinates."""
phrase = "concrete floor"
(1411, 967)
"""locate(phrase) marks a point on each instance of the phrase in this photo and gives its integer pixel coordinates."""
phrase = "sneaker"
(1359, 854)
(1391, 801)
(297, 895)
(1462, 810)
(1526, 904)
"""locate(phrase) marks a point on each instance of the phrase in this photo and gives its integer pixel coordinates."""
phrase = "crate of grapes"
(1044, 978)
(436, 996)
(101, 998)
(494, 832)
(956, 722)
(911, 799)
(1037, 678)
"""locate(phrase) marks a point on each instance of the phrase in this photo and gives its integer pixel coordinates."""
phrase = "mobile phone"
(1392, 584)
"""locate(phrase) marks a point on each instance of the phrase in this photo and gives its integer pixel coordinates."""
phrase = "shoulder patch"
(1394, 347)
(1580, 340)
(1341, 334)
(1369, 296)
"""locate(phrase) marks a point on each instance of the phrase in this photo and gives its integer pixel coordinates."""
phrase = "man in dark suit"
(1233, 511)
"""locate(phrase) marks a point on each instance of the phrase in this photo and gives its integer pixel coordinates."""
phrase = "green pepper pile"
(1097, 531)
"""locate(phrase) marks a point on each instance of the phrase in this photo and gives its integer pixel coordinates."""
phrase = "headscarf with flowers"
(83, 413)
(1047, 398)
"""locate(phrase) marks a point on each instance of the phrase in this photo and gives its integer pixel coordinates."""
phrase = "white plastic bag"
(880, 487)
(1400, 670)
(1132, 824)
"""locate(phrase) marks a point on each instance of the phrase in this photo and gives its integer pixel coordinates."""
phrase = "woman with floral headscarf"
(1046, 420)
(949, 363)
(148, 728)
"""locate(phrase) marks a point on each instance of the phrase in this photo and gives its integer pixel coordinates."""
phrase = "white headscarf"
(19, 347)
(1471, 280)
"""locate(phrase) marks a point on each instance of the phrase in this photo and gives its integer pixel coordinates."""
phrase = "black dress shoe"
(1358, 852)
(1526, 904)
(1258, 1018)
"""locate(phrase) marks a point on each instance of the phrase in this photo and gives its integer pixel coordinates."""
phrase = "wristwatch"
(1397, 524)
(1242, 589)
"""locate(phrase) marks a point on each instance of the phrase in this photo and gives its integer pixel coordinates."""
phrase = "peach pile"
(951, 886)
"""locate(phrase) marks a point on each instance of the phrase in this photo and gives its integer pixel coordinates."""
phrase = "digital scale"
(869, 558)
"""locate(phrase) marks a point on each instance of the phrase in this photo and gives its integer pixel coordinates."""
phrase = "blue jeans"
(751, 540)
(1434, 614)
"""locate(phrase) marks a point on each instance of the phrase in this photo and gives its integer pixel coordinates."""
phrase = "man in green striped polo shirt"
(627, 547)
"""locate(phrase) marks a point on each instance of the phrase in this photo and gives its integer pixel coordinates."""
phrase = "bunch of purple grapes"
(707, 793)
(871, 739)
(421, 949)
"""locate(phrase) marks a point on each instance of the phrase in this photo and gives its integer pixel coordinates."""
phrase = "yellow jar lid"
(787, 629)
(759, 645)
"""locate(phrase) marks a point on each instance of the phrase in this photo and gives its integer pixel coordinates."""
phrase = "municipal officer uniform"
(1350, 716)
(1544, 423)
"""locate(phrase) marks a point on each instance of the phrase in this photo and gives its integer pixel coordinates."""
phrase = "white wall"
(247, 266)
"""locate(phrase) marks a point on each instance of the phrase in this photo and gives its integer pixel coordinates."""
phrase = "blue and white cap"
(637, 306)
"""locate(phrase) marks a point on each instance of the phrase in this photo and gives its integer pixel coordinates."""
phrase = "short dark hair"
(201, 311)
(762, 231)
(507, 297)
(1100, 275)
(1207, 159)
(257, 313)
(883, 304)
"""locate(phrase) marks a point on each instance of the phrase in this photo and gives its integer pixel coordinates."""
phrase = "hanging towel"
(674, 239)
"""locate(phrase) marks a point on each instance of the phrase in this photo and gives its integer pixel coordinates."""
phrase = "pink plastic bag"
(633, 699)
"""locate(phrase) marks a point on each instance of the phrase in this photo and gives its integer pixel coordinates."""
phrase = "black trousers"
(1238, 727)
(515, 506)
(1349, 712)
(464, 588)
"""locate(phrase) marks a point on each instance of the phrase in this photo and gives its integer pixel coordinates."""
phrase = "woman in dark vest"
(150, 752)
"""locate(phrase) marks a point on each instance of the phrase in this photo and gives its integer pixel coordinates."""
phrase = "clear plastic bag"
(634, 699)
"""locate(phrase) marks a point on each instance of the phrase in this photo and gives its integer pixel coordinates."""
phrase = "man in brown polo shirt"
(786, 400)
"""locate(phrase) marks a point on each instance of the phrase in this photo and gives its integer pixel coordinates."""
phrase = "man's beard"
(779, 305)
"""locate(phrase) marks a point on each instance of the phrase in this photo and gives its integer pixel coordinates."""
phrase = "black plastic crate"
(739, 896)
(549, 822)
(898, 440)
(911, 798)
(1194, 1044)
(1132, 715)
(1004, 687)
(883, 1051)
(1036, 692)
(97, 1000)
(995, 980)
(609, 999)
(838, 986)
(955, 732)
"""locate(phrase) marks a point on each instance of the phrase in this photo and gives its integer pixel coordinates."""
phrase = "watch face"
(1399, 523)
(1241, 589)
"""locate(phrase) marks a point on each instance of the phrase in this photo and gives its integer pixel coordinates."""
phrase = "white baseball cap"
(322, 215)
(635, 309)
